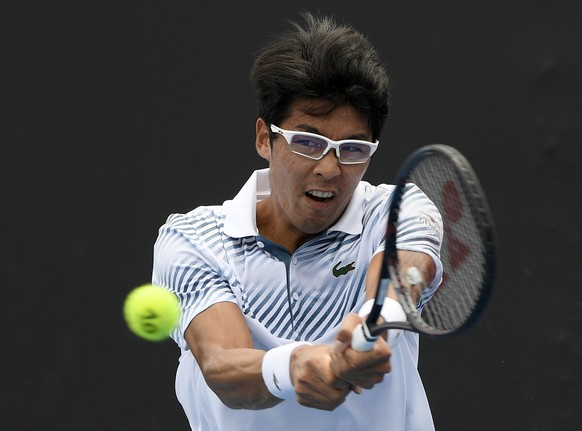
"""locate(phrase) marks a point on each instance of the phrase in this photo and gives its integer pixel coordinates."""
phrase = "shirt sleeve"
(185, 265)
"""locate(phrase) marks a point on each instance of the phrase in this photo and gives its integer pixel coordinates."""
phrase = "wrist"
(392, 311)
(276, 370)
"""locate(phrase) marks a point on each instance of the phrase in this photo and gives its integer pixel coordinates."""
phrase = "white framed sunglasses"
(314, 146)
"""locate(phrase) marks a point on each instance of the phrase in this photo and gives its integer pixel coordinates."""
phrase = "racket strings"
(462, 250)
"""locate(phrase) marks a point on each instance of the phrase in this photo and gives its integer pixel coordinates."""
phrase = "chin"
(314, 228)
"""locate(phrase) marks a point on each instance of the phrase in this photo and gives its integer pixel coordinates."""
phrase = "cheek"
(283, 171)
(286, 164)
(355, 173)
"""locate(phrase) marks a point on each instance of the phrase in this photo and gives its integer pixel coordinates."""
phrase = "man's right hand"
(359, 369)
(315, 383)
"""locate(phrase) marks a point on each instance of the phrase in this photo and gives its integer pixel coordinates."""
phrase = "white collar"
(241, 217)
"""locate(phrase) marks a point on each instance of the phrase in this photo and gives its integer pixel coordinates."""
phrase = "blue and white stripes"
(296, 297)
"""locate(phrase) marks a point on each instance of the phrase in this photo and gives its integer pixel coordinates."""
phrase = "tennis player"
(273, 282)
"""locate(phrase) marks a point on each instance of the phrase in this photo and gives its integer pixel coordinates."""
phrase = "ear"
(262, 140)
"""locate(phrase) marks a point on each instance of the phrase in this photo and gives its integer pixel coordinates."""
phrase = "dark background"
(116, 113)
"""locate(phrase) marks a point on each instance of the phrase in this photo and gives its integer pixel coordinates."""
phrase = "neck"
(284, 235)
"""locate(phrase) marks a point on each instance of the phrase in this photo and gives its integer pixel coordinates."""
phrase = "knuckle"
(301, 391)
(305, 403)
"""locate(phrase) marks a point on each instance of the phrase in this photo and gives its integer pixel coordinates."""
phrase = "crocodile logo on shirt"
(337, 271)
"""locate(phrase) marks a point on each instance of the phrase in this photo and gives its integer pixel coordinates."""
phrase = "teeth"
(319, 194)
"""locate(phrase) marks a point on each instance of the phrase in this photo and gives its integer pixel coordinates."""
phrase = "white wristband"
(275, 369)
(392, 311)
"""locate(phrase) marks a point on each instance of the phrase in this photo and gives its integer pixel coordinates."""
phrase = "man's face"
(308, 196)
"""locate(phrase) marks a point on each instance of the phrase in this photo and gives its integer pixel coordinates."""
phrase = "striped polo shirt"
(215, 254)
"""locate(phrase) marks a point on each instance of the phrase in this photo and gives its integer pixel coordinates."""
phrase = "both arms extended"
(322, 375)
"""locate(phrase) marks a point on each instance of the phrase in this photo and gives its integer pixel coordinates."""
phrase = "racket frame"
(391, 273)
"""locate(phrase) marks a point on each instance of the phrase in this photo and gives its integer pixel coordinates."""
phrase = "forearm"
(235, 377)
(222, 345)
(421, 261)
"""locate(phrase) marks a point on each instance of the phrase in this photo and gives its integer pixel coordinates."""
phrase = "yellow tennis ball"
(151, 312)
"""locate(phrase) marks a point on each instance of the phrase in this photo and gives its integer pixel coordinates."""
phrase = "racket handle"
(362, 340)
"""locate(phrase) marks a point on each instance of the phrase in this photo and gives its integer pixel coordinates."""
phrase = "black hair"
(324, 61)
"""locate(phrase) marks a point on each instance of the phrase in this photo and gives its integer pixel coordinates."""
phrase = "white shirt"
(215, 254)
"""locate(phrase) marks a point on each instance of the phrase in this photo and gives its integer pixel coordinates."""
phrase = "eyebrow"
(311, 129)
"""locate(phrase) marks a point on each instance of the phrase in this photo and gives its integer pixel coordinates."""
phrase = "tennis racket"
(467, 250)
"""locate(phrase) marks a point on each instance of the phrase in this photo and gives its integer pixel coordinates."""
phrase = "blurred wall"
(114, 115)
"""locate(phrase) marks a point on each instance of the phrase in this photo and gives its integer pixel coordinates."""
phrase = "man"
(271, 282)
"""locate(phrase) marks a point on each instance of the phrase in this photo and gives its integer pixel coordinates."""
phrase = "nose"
(328, 166)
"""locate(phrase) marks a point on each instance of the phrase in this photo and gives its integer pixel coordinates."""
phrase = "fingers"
(362, 369)
(321, 395)
(323, 376)
(344, 336)
(359, 369)
(315, 384)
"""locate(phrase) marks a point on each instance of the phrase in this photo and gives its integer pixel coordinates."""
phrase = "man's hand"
(359, 369)
(315, 384)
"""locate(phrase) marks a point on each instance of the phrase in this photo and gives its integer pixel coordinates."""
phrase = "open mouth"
(320, 196)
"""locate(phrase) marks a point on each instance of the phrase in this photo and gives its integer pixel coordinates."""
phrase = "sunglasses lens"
(309, 146)
(355, 152)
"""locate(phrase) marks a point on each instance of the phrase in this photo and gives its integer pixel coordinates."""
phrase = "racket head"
(445, 176)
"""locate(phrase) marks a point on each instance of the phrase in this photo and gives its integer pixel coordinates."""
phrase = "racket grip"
(362, 340)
